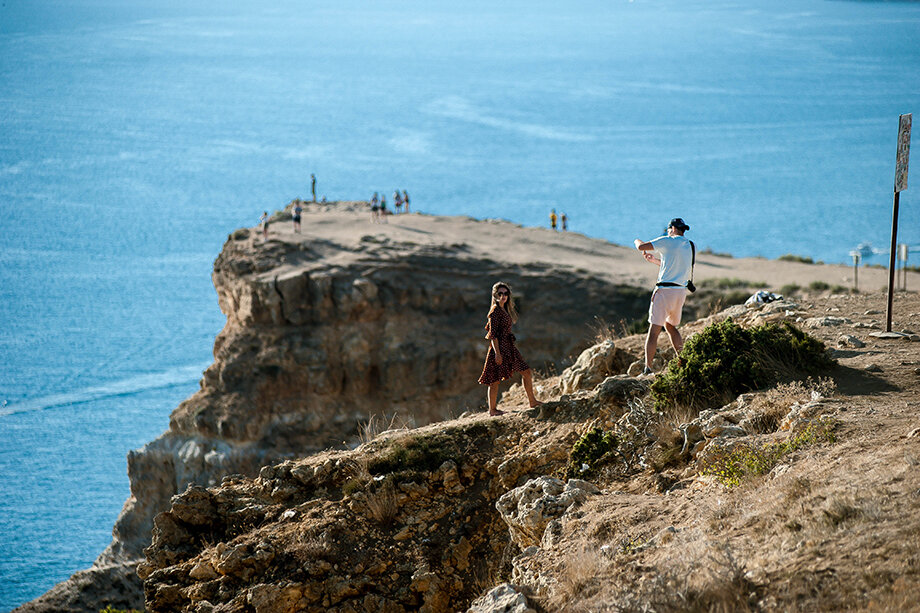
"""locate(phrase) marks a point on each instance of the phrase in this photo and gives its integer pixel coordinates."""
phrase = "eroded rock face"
(593, 365)
(309, 536)
(502, 598)
(530, 508)
(320, 335)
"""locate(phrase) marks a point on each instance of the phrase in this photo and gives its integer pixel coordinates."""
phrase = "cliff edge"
(353, 320)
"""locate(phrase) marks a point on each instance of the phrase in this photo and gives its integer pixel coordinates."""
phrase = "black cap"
(678, 223)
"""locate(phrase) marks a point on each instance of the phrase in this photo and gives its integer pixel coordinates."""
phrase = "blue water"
(134, 136)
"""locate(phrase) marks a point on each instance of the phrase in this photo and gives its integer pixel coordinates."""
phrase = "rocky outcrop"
(530, 508)
(401, 524)
(325, 331)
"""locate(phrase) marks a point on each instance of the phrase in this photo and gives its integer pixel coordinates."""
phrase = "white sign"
(900, 169)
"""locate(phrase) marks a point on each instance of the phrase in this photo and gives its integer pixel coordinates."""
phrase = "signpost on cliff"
(900, 184)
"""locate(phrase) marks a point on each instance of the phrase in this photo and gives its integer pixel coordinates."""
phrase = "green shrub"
(789, 289)
(733, 467)
(818, 286)
(414, 455)
(791, 257)
(726, 283)
(725, 360)
(590, 451)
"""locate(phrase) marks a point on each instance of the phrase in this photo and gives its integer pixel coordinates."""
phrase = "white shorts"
(667, 303)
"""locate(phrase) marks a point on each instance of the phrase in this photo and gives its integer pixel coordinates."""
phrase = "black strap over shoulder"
(693, 259)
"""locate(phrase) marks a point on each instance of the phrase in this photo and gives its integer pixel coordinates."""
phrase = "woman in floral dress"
(503, 358)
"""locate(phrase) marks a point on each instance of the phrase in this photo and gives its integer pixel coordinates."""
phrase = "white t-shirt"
(676, 259)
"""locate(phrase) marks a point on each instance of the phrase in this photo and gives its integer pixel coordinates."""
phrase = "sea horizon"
(136, 138)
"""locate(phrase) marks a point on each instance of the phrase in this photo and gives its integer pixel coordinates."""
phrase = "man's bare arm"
(643, 246)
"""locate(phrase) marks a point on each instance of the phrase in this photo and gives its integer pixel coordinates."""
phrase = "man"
(313, 186)
(675, 270)
(552, 219)
(298, 211)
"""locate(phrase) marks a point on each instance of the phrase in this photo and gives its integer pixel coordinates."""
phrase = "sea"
(135, 136)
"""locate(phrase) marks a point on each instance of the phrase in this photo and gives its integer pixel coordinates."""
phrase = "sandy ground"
(347, 228)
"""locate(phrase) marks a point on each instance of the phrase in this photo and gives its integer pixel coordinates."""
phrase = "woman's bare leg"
(527, 376)
(493, 400)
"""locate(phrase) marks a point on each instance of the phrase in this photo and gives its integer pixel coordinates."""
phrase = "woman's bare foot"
(496, 412)
(535, 404)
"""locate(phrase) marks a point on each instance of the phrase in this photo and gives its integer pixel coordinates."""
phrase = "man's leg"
(651, 344)
(674, 334)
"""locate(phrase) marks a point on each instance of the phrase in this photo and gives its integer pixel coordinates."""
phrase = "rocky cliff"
(348, 320)
(802, 496)
(353, 319)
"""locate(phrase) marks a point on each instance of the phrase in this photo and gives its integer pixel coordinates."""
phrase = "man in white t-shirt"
(675, 271)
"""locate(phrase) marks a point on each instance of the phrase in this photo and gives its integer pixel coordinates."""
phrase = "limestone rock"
(620, 388)
(593, 365)
(528, 509)
(848, 340)
(501, 599)
(801, 415)
(819, 322)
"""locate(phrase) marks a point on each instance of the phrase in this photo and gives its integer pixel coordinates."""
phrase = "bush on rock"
(725, 360)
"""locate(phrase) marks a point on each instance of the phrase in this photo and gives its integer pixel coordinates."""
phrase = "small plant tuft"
(791, 257)
(745, 461)
(414, 455)
(593, 449)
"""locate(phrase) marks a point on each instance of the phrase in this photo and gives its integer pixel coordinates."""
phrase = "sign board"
(900, 169)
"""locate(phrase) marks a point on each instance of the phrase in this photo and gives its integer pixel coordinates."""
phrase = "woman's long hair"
(509, 304)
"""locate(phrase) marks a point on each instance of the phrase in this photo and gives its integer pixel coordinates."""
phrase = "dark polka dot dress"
(499, 327)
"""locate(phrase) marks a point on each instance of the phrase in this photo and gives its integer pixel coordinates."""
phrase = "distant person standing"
(263, 223)
(565, 222)
(552, 219)
(383, 209)
(406, 200)
(297, 212)
(313, 186)
(674, 274)
(398, 200)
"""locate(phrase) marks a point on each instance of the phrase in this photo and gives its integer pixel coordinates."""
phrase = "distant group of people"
(553, 218)
(675, 279)
(379, 210)
(296, 212)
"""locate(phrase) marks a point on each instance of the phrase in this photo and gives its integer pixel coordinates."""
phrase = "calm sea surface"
(134, 136)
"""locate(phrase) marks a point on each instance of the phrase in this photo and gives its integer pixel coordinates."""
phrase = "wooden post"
(894, 249)
(855, 255)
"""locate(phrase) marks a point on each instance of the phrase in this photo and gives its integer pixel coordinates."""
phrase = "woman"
(263, 222)
(503, 357)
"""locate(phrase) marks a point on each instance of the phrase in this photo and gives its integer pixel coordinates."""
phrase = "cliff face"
(432, 518)
(347, 321)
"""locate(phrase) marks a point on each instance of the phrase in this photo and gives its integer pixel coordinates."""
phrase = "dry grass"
(307, 547)
(381, 504)
(772, 405)
(712, 582)
(603, 330)
(581, 569)
(377, 425)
